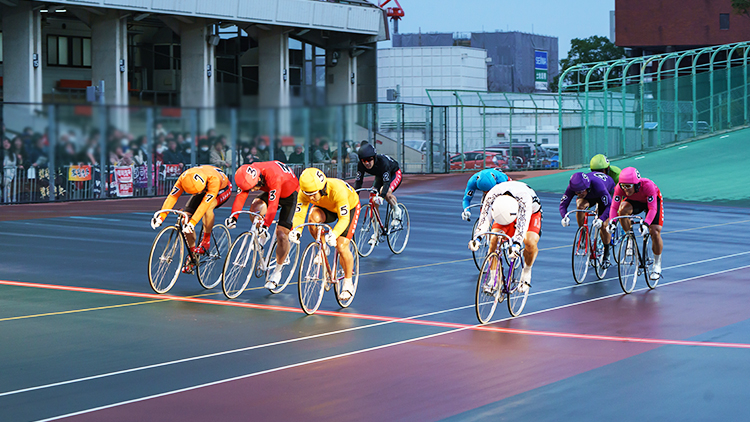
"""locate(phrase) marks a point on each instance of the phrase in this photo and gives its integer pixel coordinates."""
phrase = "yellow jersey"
(339, 198)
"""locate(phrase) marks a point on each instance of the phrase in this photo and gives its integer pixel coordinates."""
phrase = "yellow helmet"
(192, 182)
(312, 180)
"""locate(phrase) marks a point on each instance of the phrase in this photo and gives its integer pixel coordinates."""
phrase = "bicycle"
(245, 250)
(371, 222)
(484, 245)
(588, 248)
(171, 239)
(316, 275)
(635, 261)
(503, 283)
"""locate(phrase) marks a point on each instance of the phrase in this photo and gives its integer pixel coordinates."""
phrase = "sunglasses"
(627, 185)
(581, 192)
(367, 160)
(310, 193)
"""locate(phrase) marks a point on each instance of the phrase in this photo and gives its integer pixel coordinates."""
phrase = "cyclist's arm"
(239, 201)
(171, 199)
(524, 217)
(565, 201)
(615, 207)
(469, 193)
(300, 212)
(344, 211)
(652, 196)
(485, 217)
(273, 202)
(603, 194)
(212, 190)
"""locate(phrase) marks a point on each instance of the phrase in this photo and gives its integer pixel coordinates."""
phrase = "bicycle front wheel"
(648, 262)
(311, 278)
(398, 233)
(165, 259)
(287, 267)
(517, 292)
(210, 263)
(238, 266)
(366, 228)
(597, 245)
(581, 255)
(340, 276)
(488, 288)
(629, 264)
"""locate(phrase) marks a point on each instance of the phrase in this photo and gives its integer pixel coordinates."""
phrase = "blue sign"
(540, 60)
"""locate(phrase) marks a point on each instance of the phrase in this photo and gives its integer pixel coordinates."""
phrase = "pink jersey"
(648, 193)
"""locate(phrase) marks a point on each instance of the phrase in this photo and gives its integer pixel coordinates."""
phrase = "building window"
(250, 77)
(723, 20)
(68, 51)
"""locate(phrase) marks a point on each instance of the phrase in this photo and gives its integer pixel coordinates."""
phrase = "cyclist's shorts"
(639, 207)
(395, 182)
(286, 208)
(195, 201)
(332, 216)
(535, 225)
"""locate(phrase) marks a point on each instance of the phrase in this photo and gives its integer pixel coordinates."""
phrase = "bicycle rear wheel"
(517, 294)
(648, 262)
(210, 263)
(311, 278)
(600, 266)
(627, 269)
(581, 255)
(288, 266)
(366, 227)
(488, 288)
(398, 235)
(238, 266)
(165, 259)
(340, 276)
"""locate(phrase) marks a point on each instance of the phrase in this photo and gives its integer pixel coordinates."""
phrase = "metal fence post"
(51, 164)
(193, 116)
(103, 158)
(150, 149)
(233, 134)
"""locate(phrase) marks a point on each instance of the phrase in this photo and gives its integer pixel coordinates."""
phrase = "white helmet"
(505, 210)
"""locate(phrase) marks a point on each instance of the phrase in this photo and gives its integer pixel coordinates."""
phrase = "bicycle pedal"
(327, 286)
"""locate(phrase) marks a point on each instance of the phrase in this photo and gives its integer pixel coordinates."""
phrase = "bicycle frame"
(182, 218)
(503, 244)
(640, 251)
(587, 213)
(320, 240)
(374, 208)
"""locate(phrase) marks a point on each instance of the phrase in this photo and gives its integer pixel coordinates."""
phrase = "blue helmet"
(579, 182)
(486, 180)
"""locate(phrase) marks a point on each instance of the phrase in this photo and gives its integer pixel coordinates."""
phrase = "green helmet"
(599, 162)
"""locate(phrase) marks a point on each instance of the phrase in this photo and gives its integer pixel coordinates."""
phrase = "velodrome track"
(407, 349)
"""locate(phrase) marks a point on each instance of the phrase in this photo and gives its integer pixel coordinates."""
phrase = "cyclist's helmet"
(246, 177)
(505, 210)
(311, 181)
(579, 182)
(486, 180)
(366, 152)
(192, 182)
(599, 163)
(629, 175)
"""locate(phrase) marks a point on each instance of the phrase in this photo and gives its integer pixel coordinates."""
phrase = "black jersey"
(383, 170)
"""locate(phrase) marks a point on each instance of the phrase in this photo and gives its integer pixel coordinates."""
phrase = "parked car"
(474, 160)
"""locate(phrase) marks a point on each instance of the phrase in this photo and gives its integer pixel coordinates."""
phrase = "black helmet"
(366, 152)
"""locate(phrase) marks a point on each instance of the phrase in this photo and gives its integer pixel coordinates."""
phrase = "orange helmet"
(246, 177)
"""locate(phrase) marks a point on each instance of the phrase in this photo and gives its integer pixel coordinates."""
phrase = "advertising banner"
(540, 70)
(124, 180)
(79, 173)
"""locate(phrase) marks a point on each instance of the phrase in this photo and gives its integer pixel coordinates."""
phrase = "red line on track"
(380, 318)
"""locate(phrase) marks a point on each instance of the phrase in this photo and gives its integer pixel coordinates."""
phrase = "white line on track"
(722, 137)
(683, 147)
(355, 352)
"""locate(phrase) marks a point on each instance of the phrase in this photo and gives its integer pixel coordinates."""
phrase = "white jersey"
(528, 203)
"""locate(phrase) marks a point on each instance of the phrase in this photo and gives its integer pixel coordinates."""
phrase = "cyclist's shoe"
(397, 215)
(189, 267)
(605, 257)
(373, 239)
(273, 279)
(656, 271)
(198, 250)
(525, 282)
(347, 289)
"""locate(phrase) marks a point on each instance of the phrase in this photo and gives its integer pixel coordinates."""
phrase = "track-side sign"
(540, 70)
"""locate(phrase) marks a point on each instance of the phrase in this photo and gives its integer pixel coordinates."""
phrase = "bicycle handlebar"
(371, 190)
(324, 226)
(499, 234)
(472, 206)
(245, 212)
(183, 214)
(635, 219)
(587, 211)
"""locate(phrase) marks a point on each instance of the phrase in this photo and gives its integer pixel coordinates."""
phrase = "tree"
(590, 50)
(741, 7)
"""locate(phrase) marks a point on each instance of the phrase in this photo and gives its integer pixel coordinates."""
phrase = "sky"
(564, 19)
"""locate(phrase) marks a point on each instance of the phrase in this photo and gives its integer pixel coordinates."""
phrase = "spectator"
(263, 152)
(298, 156)
(348, 153)
(203, 155)
(314, 146)
(38, 156)
(159, 150)
(139, 156)
(253, 156)
(10, 164)
(66, 153)
(93, 150)
(323, 154)
(116, 153)
(18, 148)
(244, 152)
(278, 152)
(160, 131)
(171, 155)
(218, 156)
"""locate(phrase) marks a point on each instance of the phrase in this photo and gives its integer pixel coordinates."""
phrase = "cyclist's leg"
(283, 227)
(530, 241)
(190, 208)
(581, 204)
(657, 244)
(345, 256)
(208, 225)
(387, 191)
(626, 208)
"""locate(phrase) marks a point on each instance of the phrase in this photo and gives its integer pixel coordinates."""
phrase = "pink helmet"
(629, 175)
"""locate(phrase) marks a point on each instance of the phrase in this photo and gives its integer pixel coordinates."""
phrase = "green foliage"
(590, 50)
(741, 7)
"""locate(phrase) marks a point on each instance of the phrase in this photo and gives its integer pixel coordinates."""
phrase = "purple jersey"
(599, 192)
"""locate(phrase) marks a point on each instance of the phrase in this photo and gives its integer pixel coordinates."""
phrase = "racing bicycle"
(397, 235)
(635, 259)
(588, 248)
(500, 279)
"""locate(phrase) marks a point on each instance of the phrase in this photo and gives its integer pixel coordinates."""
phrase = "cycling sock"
(657, 260)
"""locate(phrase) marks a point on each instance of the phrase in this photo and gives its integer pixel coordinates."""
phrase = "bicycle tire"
(210, 263)
(290, 264)
(311, 279)
(484, 247)
(165, 257)
(237, 273)
(600, 267)
(399, 232)
(486, 299)
(516, 295)
(627, 269)
(580, 257)
(648, 262)
(366, 227)
(340, 276)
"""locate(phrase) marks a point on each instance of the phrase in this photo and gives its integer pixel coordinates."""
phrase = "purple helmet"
(579, 182)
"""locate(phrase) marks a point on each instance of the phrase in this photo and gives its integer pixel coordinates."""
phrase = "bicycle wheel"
(398, 234)
(648, 262)
(311, 278)
(238, 266)
(629, 264)
(288, 266)
(165, 259)
(488, 288)
(581, 254)
(210, 263)
(600, 266)
(617, 238)
(517, 294)
(340, 276)
(366, 227)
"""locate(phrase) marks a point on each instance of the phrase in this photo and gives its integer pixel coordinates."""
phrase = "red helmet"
(246, 177)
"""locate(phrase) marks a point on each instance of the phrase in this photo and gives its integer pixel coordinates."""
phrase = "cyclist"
(279, 186)
(210, 188)
(589, 189)
(514, 208)
(483, 181)
(387, 179)
(600, 163)
(634, 195)
(332, 199)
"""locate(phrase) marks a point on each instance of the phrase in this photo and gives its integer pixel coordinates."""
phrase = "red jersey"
(277, 179)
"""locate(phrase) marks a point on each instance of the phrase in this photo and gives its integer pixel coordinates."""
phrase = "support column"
(197, 88)
(273, 69)
(22, 54)
(109, 63)
(341, 79)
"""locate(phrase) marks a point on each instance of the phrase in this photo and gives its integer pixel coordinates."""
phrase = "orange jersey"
(339, 198)
(215, 180)
(278, 180)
